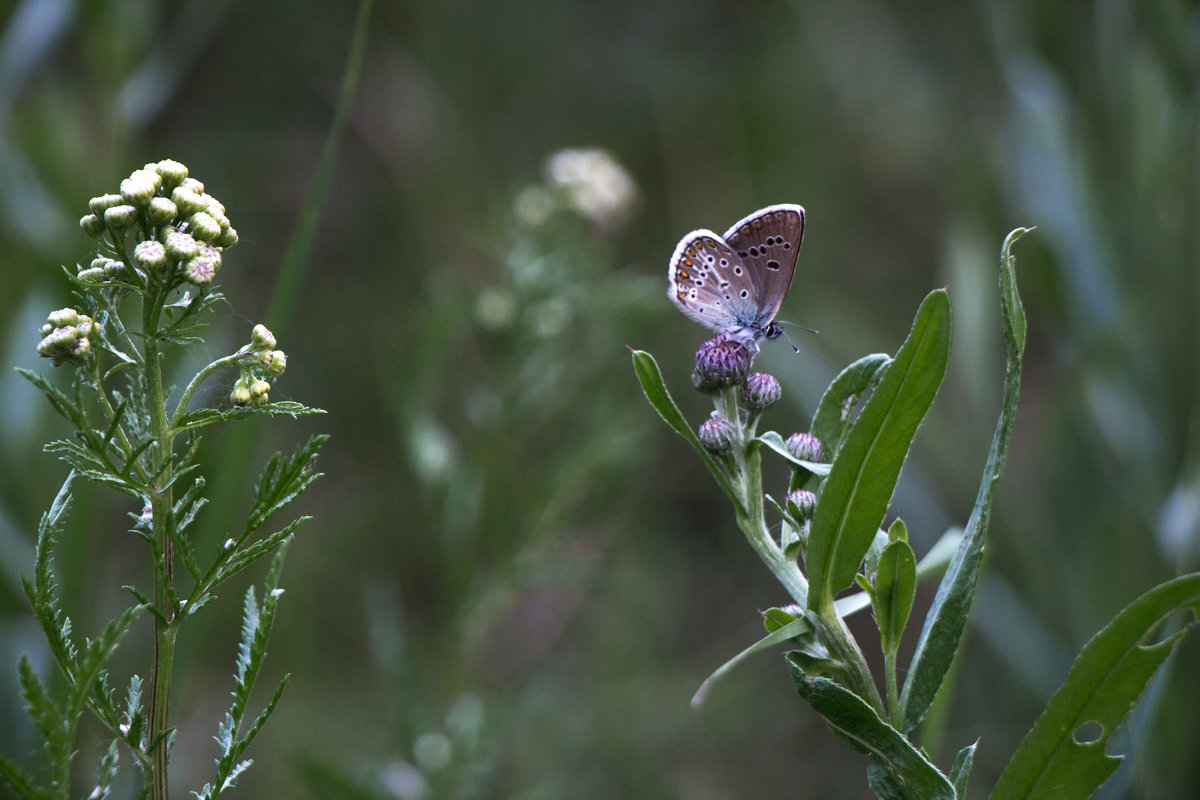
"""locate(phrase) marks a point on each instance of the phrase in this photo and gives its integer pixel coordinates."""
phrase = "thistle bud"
(805, 447)
(805, 502)
(162, 211)
(119, 217)
(262, 338)
(150, 255)
(721, 363)
(717, 434)
(760, 391)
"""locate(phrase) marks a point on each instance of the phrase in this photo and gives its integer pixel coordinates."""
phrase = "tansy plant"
(843, 471)
(140, 302)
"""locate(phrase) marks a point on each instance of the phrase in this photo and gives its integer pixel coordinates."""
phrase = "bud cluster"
(66, 337)
(182, 230)
(261, 361)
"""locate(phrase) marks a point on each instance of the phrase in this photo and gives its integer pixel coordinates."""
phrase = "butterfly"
(735, 284)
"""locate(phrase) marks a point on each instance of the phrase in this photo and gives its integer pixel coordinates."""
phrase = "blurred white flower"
(594, 183)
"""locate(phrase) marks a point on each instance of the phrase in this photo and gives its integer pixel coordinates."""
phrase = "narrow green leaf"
(895, 588)
(655, 389)
(960, 771)
(797, 627)
(856, 722)
(1101, 688)
(833, 416)
(947, 617)
(856, 494)
(19, 780)
(62, 404)
(884, 784)
(774, 441)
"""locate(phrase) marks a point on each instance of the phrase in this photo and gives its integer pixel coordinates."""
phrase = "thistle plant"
(140, 303)
(825, 534)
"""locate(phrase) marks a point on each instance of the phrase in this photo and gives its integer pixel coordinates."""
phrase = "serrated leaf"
(655, 389)
(20, 781)
(62, 404)
(855, 496)
(853, 719)
(1102, 686)
(946, 619)
(206, 416)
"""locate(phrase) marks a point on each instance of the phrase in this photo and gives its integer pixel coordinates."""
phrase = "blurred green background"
(517, 576)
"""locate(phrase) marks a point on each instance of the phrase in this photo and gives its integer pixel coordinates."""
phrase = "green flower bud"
(99, 205)
(192, 185)
(202, 267)
(63, 318)
(716, 434)
(162, 210)
(180, 246)
(258, 392)
(47, 329)
(278, 363)
(211, 203)
(229, 237)
(138, 188)
(92, 225)
(119, 217)
(172, 172)
(204, 227)
(240, 396)
(91, 275)
(187, 201)
(262, 338)
(150, 255)
(99, 262)
(805, 501)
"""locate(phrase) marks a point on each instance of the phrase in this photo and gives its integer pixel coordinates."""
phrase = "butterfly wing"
(767, 243)
(705, 275)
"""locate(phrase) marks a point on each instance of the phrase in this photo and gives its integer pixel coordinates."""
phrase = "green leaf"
(833, 416)
(20, 781)
(895, 588)
(856, 494)
(791, 630)
(1102, 686)
(947, 617)
(960, 771)
(856, 722)
(655, 389)
(774, 441)
(200, 417)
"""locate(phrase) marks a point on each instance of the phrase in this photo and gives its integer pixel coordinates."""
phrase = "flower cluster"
(66, 337)
(260, 360)
(162, 228)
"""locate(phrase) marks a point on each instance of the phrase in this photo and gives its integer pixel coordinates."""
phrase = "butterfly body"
(735, 283)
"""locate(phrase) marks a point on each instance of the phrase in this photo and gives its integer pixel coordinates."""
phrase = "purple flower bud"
(150, 255)
(721, 363)
(805, 447)
(804, 500)
(760, 391)
(716, 434)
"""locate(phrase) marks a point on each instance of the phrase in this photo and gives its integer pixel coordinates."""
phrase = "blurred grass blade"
(947, 617)
(655, 389)
(797, 627)
(856, 494)
(1105, 681)
(858, 725)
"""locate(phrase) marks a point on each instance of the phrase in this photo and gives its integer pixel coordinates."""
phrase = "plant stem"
(893, 693)
(161, 507)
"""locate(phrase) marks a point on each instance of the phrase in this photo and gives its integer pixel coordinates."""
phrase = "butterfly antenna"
(794, 325)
